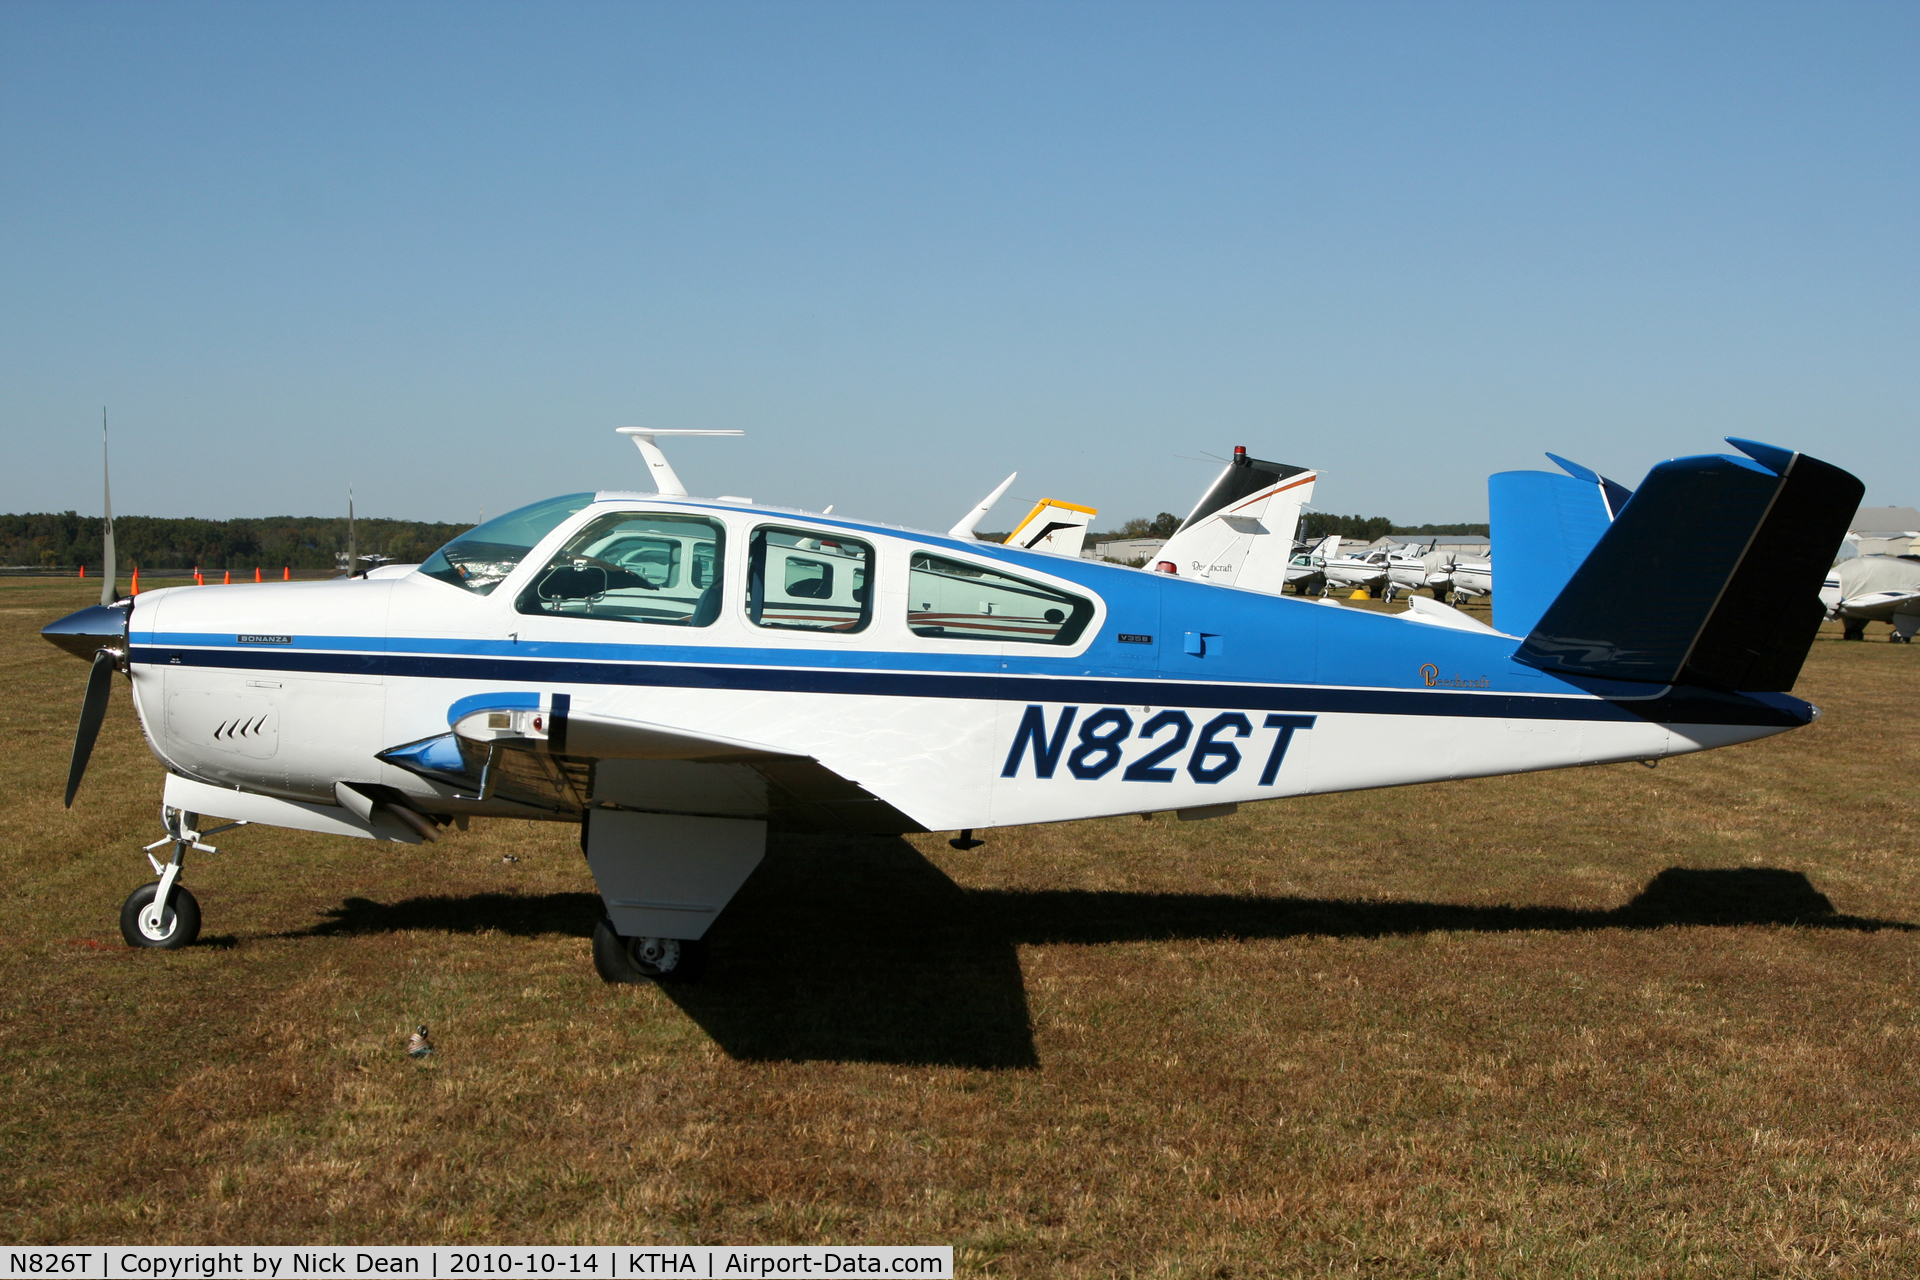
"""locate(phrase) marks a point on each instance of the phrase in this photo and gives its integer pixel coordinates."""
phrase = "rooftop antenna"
(106, 489)
(966, 526)
(664, 481)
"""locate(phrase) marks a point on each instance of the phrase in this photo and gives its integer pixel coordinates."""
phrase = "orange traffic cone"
(226, 577)
(83, 571)
(256, 573)
(286, 573)
(136, 579)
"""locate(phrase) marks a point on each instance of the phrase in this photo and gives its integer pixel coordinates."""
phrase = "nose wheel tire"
(167, 926)
(619, 959)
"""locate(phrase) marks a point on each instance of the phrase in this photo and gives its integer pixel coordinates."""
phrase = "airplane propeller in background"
(107, 574)
(98, 633)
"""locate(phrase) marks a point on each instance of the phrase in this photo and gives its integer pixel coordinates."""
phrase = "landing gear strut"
(165, 915)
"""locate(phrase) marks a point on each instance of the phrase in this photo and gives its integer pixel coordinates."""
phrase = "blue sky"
(441, 251)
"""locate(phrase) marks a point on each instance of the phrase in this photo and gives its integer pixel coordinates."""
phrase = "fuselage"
(955, 684)
(1358, 571)
(1472, 577)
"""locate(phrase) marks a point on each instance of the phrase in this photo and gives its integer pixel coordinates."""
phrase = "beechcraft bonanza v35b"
(682, 675)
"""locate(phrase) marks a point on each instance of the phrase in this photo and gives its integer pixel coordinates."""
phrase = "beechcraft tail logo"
(1430, 676)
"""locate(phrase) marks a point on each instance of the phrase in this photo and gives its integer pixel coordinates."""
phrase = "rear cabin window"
(808, 581)
(953, 600)
(634, 567)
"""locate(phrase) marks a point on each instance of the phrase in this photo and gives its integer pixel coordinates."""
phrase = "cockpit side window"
(634, 567)
(954, 600)
(481, 558)
(809, 581)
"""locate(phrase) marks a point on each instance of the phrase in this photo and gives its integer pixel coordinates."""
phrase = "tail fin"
(1052, 525)
(1711, 575)
(1241, 532)
(1543, 527)
(1241, 480)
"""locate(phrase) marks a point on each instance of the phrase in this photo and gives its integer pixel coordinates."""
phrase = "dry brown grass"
(1462, 1029)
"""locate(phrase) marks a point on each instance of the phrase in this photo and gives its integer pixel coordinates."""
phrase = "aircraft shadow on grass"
(862, 950)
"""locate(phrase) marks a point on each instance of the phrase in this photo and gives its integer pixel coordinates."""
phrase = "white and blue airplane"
(682, 675)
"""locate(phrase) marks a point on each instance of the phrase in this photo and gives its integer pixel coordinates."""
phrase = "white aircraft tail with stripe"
(1240, 534)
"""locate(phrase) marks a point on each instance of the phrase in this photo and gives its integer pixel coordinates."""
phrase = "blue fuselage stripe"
(1678, 706)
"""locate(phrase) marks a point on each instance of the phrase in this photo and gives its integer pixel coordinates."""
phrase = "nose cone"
(85, 633)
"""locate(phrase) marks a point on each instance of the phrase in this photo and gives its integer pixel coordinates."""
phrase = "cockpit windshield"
(482, 557)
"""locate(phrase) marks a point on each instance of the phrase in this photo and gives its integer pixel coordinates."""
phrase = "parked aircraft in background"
(1874, 589)
(1466, 579)
(1413, 566)
(1368, 571)
(1307, 569)
(680, 676)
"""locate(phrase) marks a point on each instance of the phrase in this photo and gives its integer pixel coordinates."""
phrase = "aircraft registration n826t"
(683, 675)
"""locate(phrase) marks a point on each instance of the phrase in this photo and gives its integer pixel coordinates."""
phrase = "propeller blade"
(93, 710)
(107, 593)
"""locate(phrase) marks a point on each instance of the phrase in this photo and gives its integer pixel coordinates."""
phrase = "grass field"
(1611, 1021)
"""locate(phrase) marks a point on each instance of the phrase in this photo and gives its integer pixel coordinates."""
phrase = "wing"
(541, 753)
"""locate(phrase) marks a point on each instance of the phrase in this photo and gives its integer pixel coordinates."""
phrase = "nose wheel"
(165, 915)
(147, 920)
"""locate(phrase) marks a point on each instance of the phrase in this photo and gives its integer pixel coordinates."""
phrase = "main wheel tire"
(168, 930)
(619, 959)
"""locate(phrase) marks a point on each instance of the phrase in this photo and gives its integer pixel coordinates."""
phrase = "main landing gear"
(165, 915)
(619, 959)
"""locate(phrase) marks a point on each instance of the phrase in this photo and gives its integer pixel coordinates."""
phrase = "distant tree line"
(1161, 526)
(64, 540)
(1315, 525)
(1443, 530)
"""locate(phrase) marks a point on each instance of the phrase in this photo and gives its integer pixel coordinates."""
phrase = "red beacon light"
(1167, 566)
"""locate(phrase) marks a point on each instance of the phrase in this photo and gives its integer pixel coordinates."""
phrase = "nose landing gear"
(148, 920)
(164, 915)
